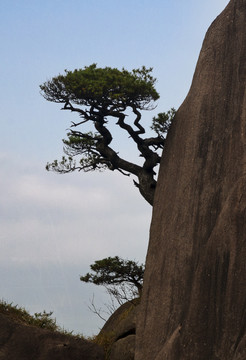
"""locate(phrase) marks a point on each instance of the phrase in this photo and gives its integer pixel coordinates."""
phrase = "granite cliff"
(194, 298)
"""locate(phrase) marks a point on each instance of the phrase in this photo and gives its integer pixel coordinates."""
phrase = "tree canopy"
(122, 278)
(99, 95)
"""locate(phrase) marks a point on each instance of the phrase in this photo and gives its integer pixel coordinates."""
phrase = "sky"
(54, 226)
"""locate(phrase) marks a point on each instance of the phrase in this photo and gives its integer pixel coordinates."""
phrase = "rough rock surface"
(121, 328)
(194, 297)
(23, 342)
(123, 349)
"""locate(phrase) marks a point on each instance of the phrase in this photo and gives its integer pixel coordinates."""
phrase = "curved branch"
(106, 134)
(155, 142)
(136, 122)
(97, 154)
(151, 157)
(106, 156)
(69, 106)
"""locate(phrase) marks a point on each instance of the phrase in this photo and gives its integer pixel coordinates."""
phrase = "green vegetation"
(123, 279)
(102, 97)
(45, 321)
(42, 320)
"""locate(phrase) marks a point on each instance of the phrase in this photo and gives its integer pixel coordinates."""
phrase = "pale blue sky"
(53, 227)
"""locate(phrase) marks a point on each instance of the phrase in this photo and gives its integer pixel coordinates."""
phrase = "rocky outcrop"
(123, 349)
(194, 296)
(119, 332)
(25, 342)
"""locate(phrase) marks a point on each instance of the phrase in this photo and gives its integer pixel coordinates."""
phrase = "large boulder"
(194, 297)
(123, 349)
(25, 342)
(118, 333)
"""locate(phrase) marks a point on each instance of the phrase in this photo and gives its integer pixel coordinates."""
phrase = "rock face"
(23, 342)
(123, 349)
(120, 329)
(194, 297)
